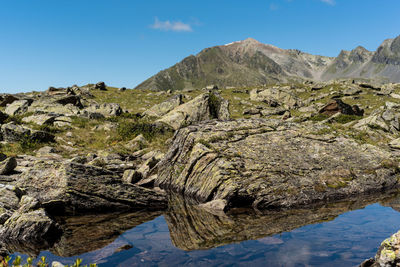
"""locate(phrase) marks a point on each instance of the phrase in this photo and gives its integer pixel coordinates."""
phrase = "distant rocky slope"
(251, 63)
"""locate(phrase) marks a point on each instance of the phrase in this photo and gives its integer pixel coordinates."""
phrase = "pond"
(340, 234)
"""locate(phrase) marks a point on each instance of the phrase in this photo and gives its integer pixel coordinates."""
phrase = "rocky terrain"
(250, 62)
(94, 149)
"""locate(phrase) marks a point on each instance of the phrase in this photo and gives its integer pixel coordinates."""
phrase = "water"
(343, 234)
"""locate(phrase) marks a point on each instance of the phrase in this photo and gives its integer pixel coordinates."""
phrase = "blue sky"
(122, 42)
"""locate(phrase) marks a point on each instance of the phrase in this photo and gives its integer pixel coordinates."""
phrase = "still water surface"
(343, 234)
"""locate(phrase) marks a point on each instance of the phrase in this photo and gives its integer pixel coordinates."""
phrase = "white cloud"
(330, 2)
(176, 26)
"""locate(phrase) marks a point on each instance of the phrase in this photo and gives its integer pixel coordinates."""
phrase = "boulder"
(70, 188)
(18, 107)
(163, 108)
(29, 225)
(388, 253)
(100, 86)
(386, 118)
(40, 119)
(13, 133)
(7, 99)
(105, 109)
(204, 107)
(7, 166)
(338, 106)
(275, 97)
(257, 163)
(122, 89)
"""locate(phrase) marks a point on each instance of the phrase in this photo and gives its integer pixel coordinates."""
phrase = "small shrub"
(343, 119)
(214, 103)
(319, 117)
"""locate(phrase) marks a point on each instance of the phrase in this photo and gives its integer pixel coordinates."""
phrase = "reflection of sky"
(345, 241)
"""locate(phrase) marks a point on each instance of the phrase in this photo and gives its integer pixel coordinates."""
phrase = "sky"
(123, 42)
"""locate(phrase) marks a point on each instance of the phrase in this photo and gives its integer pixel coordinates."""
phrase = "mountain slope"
(250, 63)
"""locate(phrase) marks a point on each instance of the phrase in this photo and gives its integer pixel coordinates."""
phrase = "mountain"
(251, 63)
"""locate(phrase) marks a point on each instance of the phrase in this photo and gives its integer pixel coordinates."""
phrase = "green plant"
(342, 118)
(214, 103)
(5, 262)
(319, 117)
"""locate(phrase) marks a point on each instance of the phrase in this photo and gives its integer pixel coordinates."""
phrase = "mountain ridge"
(251, 63)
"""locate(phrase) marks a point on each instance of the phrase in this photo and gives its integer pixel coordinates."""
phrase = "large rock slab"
(18, 107)
(270, 164)
(163, 108)
(275, 97)
(203, 107)
(73, 188)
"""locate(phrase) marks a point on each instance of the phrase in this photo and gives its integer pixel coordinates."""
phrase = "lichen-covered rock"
(275, 97)
(40, 119)
(386, 118)
(12, 132)
(7, 165)
(388, 253)
(105, 109)
(204, 107)
(71, 187)
(271, 164)
(163, 108)
(17, 107)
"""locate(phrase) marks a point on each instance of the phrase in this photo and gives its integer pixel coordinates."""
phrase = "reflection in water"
(87, 233)
(193, 228)
(190, 235)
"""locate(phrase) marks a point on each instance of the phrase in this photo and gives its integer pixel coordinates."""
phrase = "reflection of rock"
(91, 232)
(192, 227)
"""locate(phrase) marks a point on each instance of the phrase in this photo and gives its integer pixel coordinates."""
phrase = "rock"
(352, 91)
(257, 163)
(106, 109)
(67, 187)
(30, 227)
(41, 137)
(275, 97)
(46, 150)
(7, 99)
(273, 111)
(13, 133)
(388, 253)
(100, 86)
(71, 99)
(131, 177)
(163, 108)
(122, 89)
(204, 107)
(7, 166)
(9, 197)
(251, 111)
(338, 106)
(385, 118)
(17, 107)
(40, 119)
